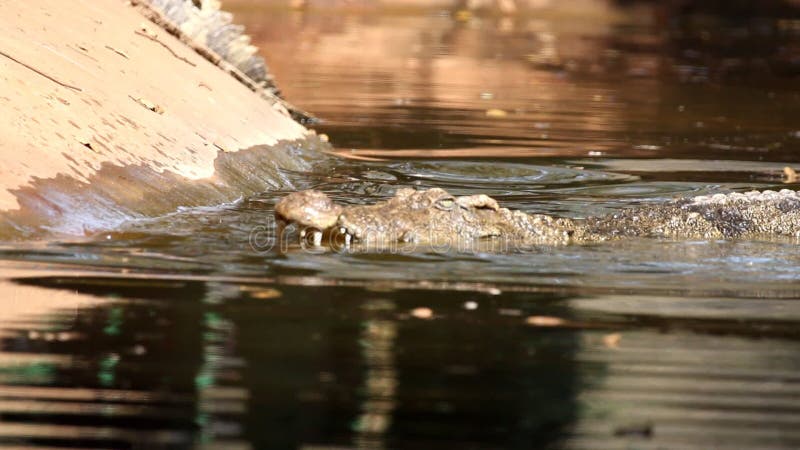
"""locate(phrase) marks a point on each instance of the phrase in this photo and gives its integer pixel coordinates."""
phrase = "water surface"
(175, 332)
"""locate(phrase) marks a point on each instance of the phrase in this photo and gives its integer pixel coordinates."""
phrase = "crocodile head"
(432, 217)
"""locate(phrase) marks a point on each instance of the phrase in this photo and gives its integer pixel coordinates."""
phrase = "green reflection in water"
(35, 373)
(115, 317)
(107, 373)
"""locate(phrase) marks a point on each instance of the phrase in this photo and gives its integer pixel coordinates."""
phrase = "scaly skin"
(436, 217)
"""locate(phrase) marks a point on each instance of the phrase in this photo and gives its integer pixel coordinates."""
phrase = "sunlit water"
(186, 331)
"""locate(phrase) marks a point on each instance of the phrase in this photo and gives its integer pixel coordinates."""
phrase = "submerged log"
(109, 117)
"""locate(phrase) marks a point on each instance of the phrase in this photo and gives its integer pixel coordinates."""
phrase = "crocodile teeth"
(316, 237)
(348, 238)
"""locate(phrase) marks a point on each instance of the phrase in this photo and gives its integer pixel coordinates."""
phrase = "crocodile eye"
(445, 204)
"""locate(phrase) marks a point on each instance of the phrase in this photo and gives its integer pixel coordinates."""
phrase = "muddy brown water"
(176, 332)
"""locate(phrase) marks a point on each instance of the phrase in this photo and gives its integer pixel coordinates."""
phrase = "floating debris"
(422, 313)
(612, 340)
(494, 112)
(265, 294)
(544, 321)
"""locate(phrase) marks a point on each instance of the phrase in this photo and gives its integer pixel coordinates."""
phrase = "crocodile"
(435, 217)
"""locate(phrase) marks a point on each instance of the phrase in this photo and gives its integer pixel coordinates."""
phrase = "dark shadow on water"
(291, 366)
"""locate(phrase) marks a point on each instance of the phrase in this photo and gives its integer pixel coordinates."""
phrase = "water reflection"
(88, 370)
(381, 378)
(202, 362)
(570, 79)
(173, 332)
(136, 364)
